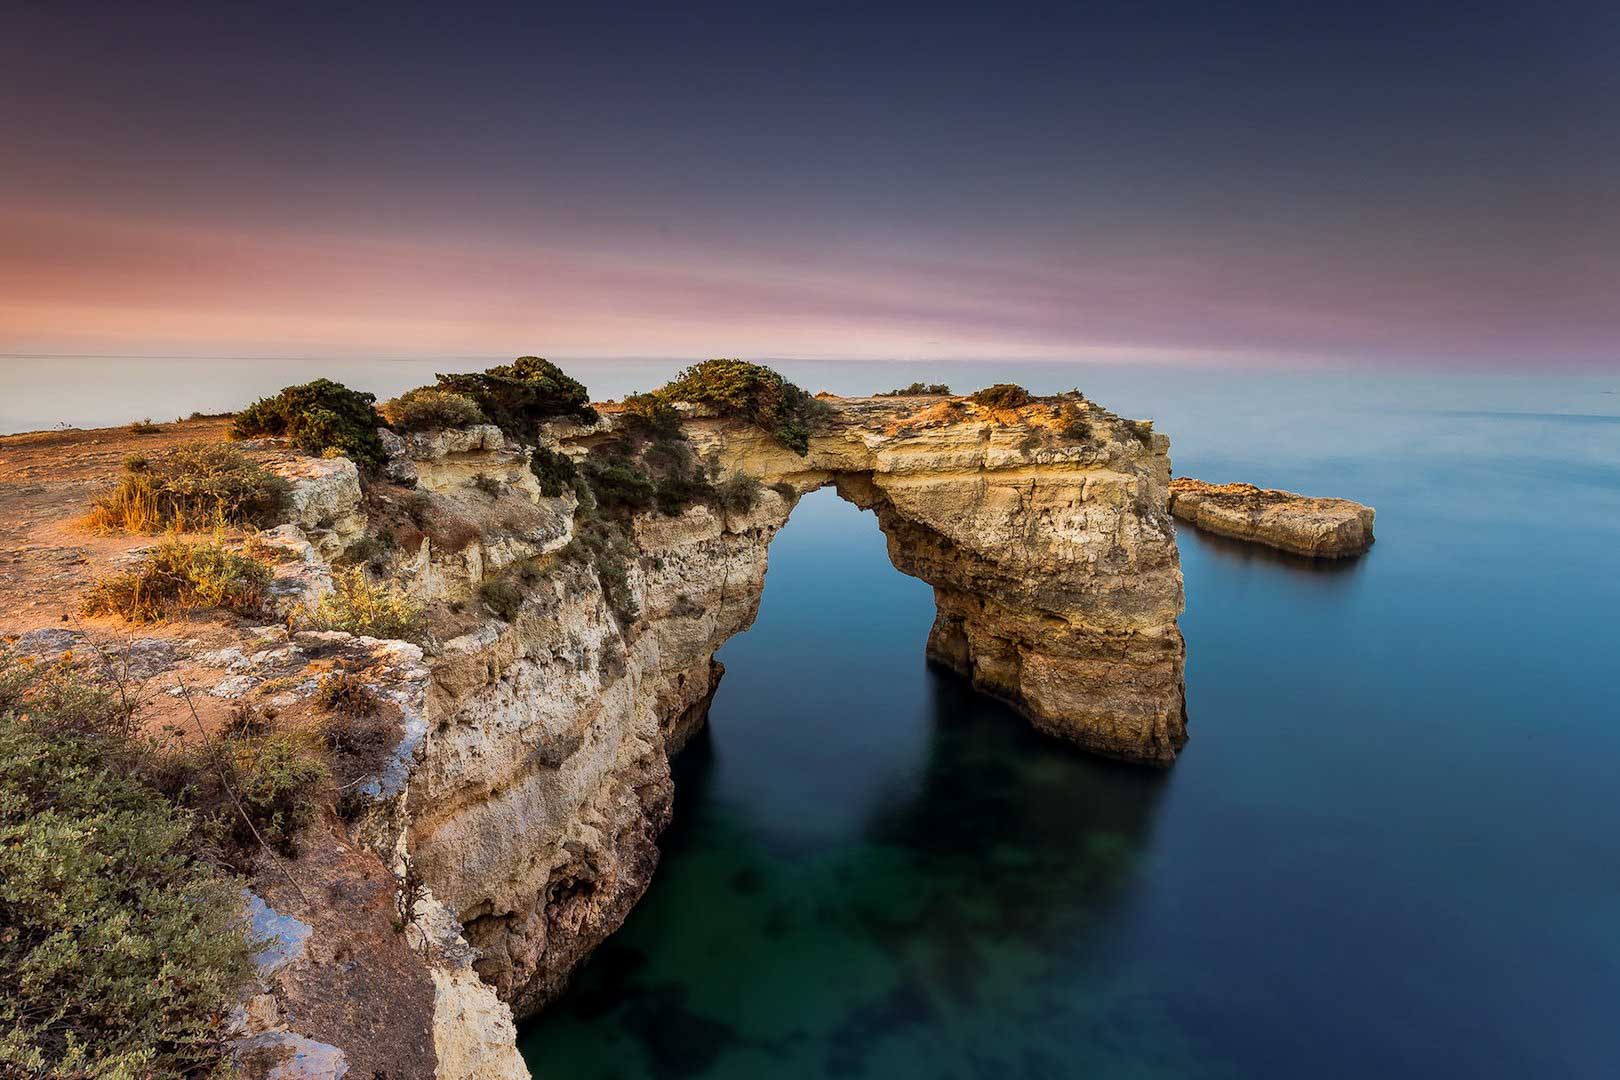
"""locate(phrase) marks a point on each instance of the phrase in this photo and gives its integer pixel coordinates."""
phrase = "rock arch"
(535, 803)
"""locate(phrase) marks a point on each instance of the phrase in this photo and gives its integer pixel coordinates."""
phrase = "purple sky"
(1372, 185)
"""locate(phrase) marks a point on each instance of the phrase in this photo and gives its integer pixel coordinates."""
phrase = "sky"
(1364, 185)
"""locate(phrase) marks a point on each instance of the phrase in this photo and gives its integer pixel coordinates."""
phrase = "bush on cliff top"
(194, 486)
(520, 395)
(749, 392)
(1001, 396)
(427, 407)
(918, 389)
(318, 416)
(122, 947)
(652, 417)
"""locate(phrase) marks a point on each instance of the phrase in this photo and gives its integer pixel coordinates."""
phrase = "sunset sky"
(1360, 184)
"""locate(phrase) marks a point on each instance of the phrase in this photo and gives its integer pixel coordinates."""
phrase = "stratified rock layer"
(1325, 528)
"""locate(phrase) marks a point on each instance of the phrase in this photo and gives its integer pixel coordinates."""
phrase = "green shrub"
(180, 575)
(275, 777)
(619, 487)
(345, 693)
(502, 596)
(651, 416)
(1001, 396)
(318, 416)
(121, 944)
(605, 547)
(680, 477)
(677, 493)
(194, 486)
(428, 407)
(750, 392)
(554, 470)
(918, 389)
(367, 608)
(520, 395)
(737, 493)
(487, 484)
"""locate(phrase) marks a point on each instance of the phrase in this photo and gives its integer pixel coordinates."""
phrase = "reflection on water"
(1390, 849)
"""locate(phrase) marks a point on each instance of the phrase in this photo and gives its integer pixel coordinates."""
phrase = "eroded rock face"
(1325, 528)
(541, 788)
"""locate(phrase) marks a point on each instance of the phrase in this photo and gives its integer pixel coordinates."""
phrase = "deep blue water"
(1392, 847)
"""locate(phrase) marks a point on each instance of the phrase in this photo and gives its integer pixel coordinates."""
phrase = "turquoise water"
(1392, 847)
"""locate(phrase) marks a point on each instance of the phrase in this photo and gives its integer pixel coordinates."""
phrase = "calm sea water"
(1392, 847)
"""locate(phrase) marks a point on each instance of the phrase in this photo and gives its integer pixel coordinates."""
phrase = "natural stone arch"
(534, 808)
(1057, 582)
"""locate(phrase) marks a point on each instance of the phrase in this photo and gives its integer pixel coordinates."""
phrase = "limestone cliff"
(526, 777)
(540, 791)
(1323, 528)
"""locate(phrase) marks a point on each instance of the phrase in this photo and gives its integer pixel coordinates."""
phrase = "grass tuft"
(190, 487)
(358, 605)
(181, 575)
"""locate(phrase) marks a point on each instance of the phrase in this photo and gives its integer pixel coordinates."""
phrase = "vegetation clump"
(122, 945)
(487, 484)
(193, 486)
(604, 545)
(318, 416)
(145, 427)
(1002, 396)
(554, 470)
(358, 605)
(345, 693)
(918, 389)
(750, 392)
(738, 493)
(502, 596)
(428, 407)
(652, 417)
(273, 776)
(519, 395)
(181, 575)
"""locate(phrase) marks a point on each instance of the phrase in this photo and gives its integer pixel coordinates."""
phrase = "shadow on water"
(905, 949)
(1225, 549)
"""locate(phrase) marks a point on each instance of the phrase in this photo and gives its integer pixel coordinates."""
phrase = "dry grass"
(190, 487)
(180, 575)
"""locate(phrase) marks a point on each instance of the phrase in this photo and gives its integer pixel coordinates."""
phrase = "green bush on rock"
(318, 417)
(428, 407)
(750, 392)
(522, 394)
(1002, 396)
